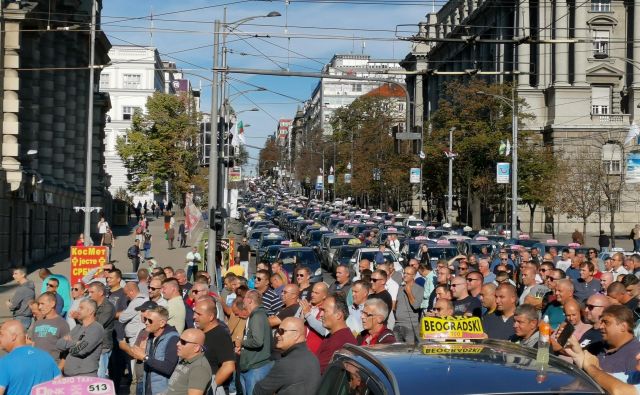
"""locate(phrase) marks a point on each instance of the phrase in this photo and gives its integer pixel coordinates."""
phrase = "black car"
(480, 367)
(343, 255)
(292, 257)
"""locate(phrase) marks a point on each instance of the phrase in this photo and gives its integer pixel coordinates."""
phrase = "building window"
(104, 81)
(128, 111)
(600, 5)
(600, 100)
(356, 87)
(131, 81)
(600, 43)
(612, 158)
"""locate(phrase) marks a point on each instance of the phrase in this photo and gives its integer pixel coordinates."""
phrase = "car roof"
(485, 366)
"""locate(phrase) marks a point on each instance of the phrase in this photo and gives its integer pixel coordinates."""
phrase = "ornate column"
(561, 55)
(524, 51)
(582, 51)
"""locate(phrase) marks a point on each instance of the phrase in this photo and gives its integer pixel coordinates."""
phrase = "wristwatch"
(145, 359)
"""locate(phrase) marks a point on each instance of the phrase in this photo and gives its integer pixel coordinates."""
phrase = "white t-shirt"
(392, 287)
(102, 227)
(191, 256)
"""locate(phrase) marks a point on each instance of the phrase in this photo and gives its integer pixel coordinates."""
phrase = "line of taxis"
(460, 362)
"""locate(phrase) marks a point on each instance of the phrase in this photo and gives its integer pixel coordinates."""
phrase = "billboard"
(414, 175)
(503, 172)
(180, 85)
(633, 167)
(283, 128)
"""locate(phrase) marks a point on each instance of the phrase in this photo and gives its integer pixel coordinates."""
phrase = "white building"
(331, 94)
(134, 74)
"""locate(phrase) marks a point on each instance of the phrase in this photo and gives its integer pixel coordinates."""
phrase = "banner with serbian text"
(79, 385)
(84, 259)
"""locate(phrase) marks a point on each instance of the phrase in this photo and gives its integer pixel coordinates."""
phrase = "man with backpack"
(108, 240)
(133, 253)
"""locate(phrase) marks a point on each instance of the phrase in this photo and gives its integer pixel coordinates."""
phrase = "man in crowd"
(130, 317)
(117, 295)
(85, 342)
(290, 295)
(155, 292)
(484, 269)
(525, 326)
(77, 294)
(143, 281)
(592, 340)
(219, 349)
(298, 371)
(373, 321)
(52, 286)
(105, 314)
(303, 279)
(312, 314)
(23, 367)
(334, 315)
(359, 293)
(270, 300)
(606, 279)
(616, 325)
(488, 299)
(158, 353)
(24, 293)
(618, 292)
(587, 284)
(617, 267)
(563, 292)
(463, 303)
(46, 332)
(192, 260)
(379, 291)
(500, 325)
(364, 264)
(443, 277)
(407, 314)
(255, 353)
(192, 374)
(183, 283)
(443, 308)
(530, 287)
(475, 280)
(343, 281)
(175, 304)
(243, 254)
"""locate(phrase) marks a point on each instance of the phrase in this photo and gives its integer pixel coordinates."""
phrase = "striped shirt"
(271, 302)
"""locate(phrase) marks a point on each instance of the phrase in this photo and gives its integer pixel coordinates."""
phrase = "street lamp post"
(450, 189)
(89, 163)
(513, 103)
(213, 158)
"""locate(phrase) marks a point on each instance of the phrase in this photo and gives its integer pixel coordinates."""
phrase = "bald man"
(298, 371)
(130, 317)
(290, 296)
(17, 373)
(193, 373)
(592, 340)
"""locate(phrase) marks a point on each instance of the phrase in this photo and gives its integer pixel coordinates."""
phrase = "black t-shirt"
(119, 299)
(287, 312)
(244, 251)
(385, 296)
(592, 341)
(305, 293)
(496, 327)
(218, 348)
(467, 305)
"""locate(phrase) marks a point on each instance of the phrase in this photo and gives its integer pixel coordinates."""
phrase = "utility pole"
(213, 158)
(450, 195)
(89, 164)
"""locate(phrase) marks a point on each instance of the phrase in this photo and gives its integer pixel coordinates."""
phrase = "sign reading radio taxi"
(84, 259)
(451, 328)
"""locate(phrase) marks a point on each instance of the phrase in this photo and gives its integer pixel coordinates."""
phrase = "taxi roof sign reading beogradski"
(451, 328)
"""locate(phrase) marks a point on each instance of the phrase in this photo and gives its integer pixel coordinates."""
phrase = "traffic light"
(216, 219)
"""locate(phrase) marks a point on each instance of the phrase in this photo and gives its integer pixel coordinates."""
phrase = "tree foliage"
(160, 145)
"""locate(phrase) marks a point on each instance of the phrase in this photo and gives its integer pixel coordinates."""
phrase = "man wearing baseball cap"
(137, 366)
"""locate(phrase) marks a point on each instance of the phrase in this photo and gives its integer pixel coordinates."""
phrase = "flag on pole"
(241, 133)
(634, 131)
(192, 214)
(503, 148)
(507, 148)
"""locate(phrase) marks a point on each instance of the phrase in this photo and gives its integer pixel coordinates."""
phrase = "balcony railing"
(610, 119)
(598, 6)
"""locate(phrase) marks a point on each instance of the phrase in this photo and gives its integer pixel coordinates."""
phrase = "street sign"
(503, 172)
(235, 174)
(330, 179)
(319, 183)
(347, 178)
(414, 175)
(84, 259)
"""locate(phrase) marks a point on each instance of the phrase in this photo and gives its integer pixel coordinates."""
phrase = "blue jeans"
(636, 245)
(191, 272)
(250, 378)
(103, 364)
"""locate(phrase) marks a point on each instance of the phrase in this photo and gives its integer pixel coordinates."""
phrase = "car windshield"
(339, 241)
(316, 236)
(346, 252)
(270, 242)
(477, 248)
(442, 252)
(370, 256)
(306, 257)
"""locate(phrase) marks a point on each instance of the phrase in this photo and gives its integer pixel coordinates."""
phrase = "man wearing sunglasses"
(77, 294)
(159, 353)
(155, 292)
(298, 370)
(192, 374)
(52, 286)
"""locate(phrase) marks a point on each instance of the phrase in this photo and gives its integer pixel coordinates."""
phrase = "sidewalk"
(124, 239)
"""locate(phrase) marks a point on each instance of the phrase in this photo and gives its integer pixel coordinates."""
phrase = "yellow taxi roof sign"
(451, 328)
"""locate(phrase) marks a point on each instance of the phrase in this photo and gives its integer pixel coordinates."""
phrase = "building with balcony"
(331, 94)
(45, 89)
(574, 63)
(134, 74)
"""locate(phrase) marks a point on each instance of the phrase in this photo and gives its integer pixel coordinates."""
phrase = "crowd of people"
(172, 331)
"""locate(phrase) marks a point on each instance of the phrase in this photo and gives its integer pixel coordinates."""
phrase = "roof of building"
(387, 90)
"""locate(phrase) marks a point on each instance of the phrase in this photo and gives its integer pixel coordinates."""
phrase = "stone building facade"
(574, 63)
(45, 87)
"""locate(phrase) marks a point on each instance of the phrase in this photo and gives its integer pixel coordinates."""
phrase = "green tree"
(537, 173)
(160, 146)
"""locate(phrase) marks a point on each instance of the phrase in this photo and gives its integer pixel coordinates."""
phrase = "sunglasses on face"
(49, 285)
(147, 320)
(592, 306)
(184, 342)
(376, 279)
(282, 331)
(75, 289)
(154, 288)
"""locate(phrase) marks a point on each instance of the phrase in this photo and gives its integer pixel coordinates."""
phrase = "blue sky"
(304, 38)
